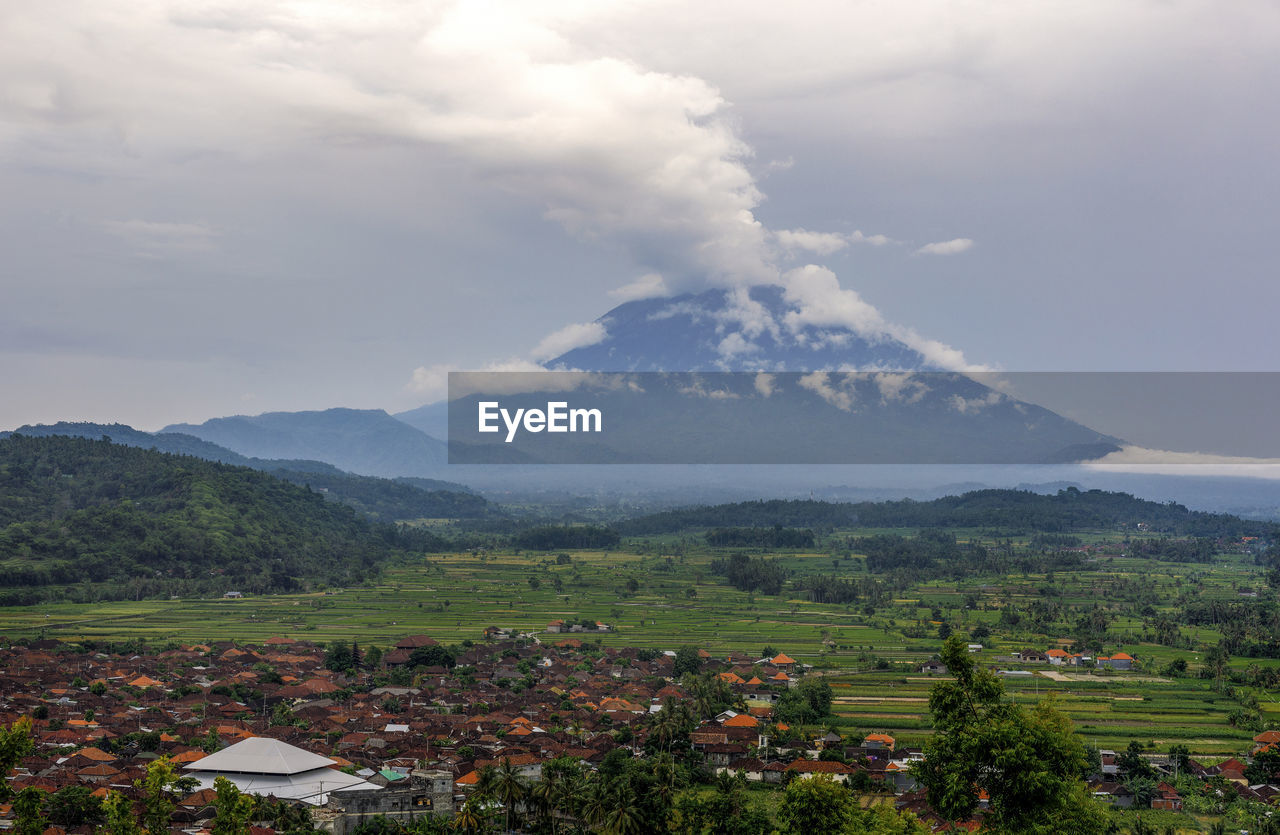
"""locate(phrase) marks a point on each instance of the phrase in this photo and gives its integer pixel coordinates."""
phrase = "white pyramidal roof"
(261, 755)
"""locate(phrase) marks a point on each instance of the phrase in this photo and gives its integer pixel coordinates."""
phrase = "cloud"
(951, 247)
(1136, 459)
(825, 243)
(820, 301)
(734, 345)
(568, 338)
(872, 240)
(647, 160)
(432, 382)
(157, 239)
(909, 388)
(973, 405)
(840, 396)
(649, 286)
(821, 243)
(765, 384)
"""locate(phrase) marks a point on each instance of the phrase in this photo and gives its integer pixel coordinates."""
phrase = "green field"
(663, 594)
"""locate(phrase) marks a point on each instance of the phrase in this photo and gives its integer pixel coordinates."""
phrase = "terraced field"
(665, 594)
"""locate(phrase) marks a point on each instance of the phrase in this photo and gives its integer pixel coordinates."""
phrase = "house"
(232, 595)
(403, 801)
(1032, 656)
(1057, 657)
(1167, 798)
(556, 626)
(1119, 661)
(877, 742)
(805, 769)
(933, 668)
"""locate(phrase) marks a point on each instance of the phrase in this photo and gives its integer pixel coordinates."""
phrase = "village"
(402, 739)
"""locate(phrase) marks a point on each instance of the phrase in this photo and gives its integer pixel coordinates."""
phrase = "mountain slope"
(363, 441)
(175, 443)
(136, 523)
(721, 330)
(379, 498)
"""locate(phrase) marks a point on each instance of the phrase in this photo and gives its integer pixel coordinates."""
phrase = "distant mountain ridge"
(362, 441)
(175, 443)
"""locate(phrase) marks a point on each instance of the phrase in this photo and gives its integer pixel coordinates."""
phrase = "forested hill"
(177, 443)
(382, 499)
(136, 523)
(1008, 510)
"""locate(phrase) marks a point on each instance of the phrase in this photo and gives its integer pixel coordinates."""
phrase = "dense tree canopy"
(1030, 762)
(136, 523)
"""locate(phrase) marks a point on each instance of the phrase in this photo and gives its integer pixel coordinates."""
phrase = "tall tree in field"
(1030, 762)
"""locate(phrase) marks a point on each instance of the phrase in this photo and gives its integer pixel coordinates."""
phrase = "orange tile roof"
(782, 658)
(742, 720)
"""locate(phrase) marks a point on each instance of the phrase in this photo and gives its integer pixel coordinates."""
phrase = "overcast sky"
(238, 206)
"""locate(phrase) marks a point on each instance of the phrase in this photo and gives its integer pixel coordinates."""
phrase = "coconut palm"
(470, 818)
(508, 787)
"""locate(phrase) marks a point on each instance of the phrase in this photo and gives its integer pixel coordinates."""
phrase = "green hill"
(385, 500)
(1010, 510)
(112, 521)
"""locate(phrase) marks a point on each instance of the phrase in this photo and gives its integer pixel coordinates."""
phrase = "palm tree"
(508, 787)
(666, 775)
(621, 817)
(544, 794)
(571, 794)
(470, 819)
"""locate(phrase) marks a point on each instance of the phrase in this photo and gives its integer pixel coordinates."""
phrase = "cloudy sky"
(237, 206)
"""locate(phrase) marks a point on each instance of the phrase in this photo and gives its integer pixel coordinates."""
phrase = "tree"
(159, 786)
(687, 661)
(1143, 790)
(234, 810)
(1132, 764)
(508, 787)
(432, 656)
(15, 743)
(472, 817)
(816, 806)
(119, 814)
(1180, 756)
(338, 657)
(724, 812)
(1030, 762)
(1266, 763)
(28, 812)
(74, 806)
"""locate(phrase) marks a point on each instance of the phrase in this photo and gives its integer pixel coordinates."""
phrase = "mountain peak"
(811, 324)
